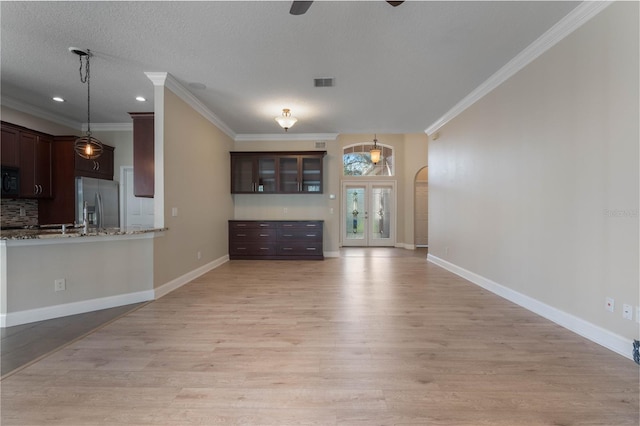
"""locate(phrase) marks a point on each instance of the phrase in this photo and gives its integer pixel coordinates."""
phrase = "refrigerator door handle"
(99, 211)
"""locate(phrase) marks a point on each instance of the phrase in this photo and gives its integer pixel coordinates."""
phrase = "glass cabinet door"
(288, 173)
(311, 174)
(266, 175)
(242, 174)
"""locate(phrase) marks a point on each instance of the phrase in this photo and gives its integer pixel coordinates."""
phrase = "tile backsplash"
(15, 212)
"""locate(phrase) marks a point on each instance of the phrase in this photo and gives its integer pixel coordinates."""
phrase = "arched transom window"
(356, 160)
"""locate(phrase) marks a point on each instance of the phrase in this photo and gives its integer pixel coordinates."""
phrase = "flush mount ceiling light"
(58, 99)
(140, 99)
(286, 120)
(86, 146)
(375, 151)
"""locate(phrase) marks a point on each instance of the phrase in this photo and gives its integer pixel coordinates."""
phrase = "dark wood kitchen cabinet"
(69, 165)
(10, 147)
(99, 168)
(35, 165)
(143, 154)
(282, 172)
(30, 151)
(276, 239)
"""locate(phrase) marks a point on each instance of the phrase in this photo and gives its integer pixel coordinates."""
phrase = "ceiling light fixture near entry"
(286, 120)
(375, 151)
(86, 146)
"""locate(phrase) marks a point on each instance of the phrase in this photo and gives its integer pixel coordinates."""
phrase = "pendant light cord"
(85, 79)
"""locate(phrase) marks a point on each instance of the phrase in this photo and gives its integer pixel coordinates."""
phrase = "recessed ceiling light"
(58, 99)
(140, 99)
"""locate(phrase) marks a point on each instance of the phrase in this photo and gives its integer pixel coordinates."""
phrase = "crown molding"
(168, 81)
(40, 113)
(249, 137)
(571, 22)
(109, 127)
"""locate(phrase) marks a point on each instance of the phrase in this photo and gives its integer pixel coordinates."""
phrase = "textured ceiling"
(396, 70)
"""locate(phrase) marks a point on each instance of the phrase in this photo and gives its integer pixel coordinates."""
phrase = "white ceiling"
(396, 70)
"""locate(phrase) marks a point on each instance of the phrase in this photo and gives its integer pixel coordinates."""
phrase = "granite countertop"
(33, 234)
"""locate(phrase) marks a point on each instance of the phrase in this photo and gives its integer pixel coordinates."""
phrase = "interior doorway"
(421, 208)
(136, 212)
(368, 213)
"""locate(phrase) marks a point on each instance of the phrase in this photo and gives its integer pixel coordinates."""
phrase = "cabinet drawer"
(251, 225)
(297, 234)
(299, 248)
(252, 234)
(252, 249)
(300, 225)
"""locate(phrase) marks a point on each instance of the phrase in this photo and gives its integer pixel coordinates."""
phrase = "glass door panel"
(243, 174)
(288, 171)
(355, 213)
(311, 174)
(266, 175)
(381, 208)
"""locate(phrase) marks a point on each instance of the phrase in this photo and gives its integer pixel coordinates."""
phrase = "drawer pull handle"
(241, 235)
(286, 225)
(241, 248)
(239, 225)
(311, 248)
(264, 224)
(264, 235)
(311, 235)
(287, 248)
(264, 248)
(287, 235)
(311, 225)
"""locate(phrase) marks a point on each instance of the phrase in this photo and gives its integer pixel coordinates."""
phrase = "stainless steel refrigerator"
(102, 202)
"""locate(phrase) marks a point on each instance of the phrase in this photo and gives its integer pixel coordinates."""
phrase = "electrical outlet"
(609, 304)
(627, 312)
(174, 211)
(199, 255)
(60, 284)
(638, 314)
(23, 211)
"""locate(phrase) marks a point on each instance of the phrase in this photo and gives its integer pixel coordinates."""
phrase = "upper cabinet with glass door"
(295, 172)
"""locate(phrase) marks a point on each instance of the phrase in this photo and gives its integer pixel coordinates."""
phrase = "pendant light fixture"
(86, 146)
(375, 151)
(286, 120)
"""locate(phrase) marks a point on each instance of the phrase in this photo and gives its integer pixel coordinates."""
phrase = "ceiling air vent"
(323, 82)
(321, 144)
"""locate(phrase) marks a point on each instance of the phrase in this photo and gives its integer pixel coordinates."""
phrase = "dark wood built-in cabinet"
(276, 239)
(143, 154)
(296, 172)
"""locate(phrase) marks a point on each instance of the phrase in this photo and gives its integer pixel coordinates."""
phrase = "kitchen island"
(45, 273)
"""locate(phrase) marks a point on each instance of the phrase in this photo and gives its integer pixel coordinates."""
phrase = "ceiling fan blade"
(394, 3)
(300, 7)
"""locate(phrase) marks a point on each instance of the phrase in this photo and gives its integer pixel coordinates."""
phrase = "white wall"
(535, 187)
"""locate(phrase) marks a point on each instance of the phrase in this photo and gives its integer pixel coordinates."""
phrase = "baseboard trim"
(174, 284)
(57, 311)
(595, 333)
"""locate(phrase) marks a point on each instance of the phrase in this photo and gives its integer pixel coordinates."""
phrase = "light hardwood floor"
(375, 337)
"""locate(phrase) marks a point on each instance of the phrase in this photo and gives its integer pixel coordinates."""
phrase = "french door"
(368, 213)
